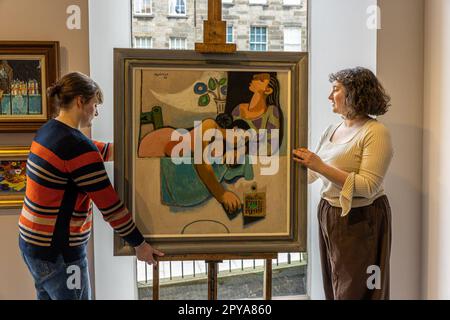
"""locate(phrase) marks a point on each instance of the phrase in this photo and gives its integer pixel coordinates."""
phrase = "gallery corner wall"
(400, 68)
(31, 20)
(436, 153)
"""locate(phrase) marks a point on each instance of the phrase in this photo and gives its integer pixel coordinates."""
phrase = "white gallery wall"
(110, 25)
(339, 38)
(400, 69)
(436, 153)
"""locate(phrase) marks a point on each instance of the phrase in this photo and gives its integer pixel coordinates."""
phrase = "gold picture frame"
(12, 176)
(150, 93)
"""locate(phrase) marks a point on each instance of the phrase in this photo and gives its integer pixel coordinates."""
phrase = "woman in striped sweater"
(65, 171)
(354, 215)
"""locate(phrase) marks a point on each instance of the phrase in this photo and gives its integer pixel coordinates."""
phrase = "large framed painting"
(27, 69)
(12, 176)
(203, 149)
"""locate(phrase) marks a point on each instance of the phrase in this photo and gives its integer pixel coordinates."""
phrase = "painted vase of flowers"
(215, 89)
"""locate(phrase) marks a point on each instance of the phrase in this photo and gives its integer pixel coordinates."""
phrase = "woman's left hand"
(308, 159)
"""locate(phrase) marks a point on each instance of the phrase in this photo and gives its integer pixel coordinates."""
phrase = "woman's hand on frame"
(308, 159)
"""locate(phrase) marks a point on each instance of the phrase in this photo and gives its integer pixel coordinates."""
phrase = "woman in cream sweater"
(354, 215)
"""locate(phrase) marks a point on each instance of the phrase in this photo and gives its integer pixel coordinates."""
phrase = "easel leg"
(156, 282)
(268, 280)
(212, 280)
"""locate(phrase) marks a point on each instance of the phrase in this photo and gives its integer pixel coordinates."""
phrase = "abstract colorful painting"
(249, 100)
(12, 176)
(13, 162)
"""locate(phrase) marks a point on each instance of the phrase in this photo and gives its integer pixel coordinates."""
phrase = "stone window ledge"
(143, 15)
(174, 16)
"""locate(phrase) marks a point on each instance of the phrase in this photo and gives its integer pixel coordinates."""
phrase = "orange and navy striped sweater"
(65, 170)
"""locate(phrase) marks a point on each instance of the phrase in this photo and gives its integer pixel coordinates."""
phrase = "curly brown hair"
(365, 96)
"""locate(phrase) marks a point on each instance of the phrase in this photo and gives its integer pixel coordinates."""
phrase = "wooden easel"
(212, 261)
(214, 41)
(215, 32)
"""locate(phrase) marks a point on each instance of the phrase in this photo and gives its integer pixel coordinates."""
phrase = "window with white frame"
(292, 2)
(177, 7)
(258, 38)
(142, 7)
(230, 36)
(257, 1)
(292, 39)
(143, 42)
(177, 43)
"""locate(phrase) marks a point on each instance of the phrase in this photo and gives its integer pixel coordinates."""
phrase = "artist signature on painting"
(163, 75)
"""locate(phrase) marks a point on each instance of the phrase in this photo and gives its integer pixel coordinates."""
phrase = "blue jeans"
(60, 280)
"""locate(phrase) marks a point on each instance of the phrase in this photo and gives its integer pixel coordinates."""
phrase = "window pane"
(257, 1)
(143, 42)
(230, 37)
(292, 2)
(142, 7)
(258, 39)
(180, 7)
(292, 39)
(177, 43)
(148, 6)
(177, 7)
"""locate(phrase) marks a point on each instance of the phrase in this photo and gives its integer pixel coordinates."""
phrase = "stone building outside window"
(165, 19)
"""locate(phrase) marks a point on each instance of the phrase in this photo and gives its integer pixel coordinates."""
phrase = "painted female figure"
(263, 111)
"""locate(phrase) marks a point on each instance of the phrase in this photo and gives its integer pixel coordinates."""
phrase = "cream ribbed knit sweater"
(366, 156)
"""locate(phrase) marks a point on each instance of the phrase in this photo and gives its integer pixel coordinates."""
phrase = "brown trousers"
(349, 248)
